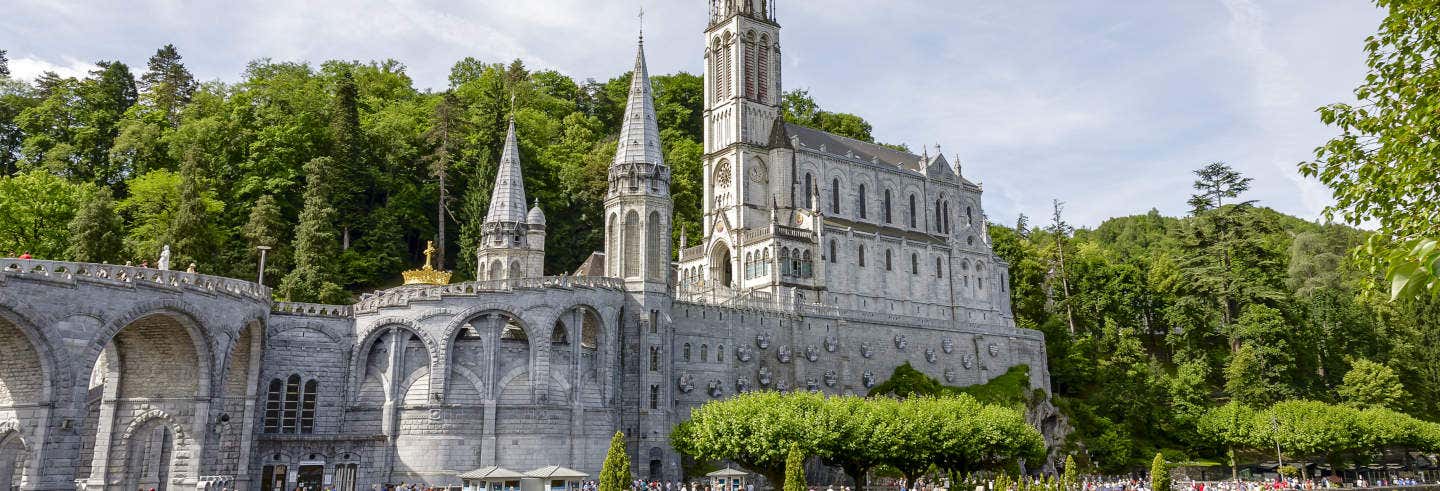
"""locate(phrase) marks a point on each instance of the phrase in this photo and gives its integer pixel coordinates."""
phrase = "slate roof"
(507, 202)
(640, 131)
(556, 472)
(813, 140)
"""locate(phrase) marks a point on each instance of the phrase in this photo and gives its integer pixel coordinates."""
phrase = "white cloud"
(25, 68)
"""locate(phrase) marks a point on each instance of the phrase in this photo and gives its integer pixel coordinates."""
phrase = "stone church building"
(824, 263)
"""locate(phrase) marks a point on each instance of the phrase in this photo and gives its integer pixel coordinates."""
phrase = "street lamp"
(261, 279)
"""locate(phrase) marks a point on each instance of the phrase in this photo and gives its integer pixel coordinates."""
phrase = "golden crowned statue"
(427, 275)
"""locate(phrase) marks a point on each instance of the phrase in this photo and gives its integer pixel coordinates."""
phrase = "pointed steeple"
(507, 201)
(640, 132)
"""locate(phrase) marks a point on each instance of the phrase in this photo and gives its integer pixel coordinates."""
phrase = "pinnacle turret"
(507, 202)
(639, 145)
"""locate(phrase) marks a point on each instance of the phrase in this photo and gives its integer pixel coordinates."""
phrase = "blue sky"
(1104, 104)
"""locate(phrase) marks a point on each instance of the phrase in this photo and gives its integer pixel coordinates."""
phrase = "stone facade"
(122, 378)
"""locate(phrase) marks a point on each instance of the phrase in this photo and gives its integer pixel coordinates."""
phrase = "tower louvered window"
(750, 69)
(729, 48)
(762, 69)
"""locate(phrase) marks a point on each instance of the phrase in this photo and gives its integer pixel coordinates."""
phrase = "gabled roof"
(556, 472)
(492, 472)
(640, 132)
(825, 142)
(728, 472)
(507, 202)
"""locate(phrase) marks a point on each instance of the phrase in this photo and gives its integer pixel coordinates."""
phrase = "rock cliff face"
(1054, 426)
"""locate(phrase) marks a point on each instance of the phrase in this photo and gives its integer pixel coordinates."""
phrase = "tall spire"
(640, 132)
(507, 202)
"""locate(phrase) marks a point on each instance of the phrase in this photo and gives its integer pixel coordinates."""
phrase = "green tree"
(1372, 385)
(266, 227)
(1071, 479)
(347, 155)
(795, 470)
(313, 279)
(96, 232)
(1159, 474)
(863, 435)
(167, 84)
(4, 65)
(192, 232)
(756, 430)
(36, 208)
(615, 471)
(1217, 182)
(1382, 167)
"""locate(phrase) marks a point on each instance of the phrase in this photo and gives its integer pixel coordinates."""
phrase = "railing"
(117, 274)
(693, 252)
(312, 309)
(396, 297)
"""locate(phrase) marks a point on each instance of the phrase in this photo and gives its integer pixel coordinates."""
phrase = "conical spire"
(640, 132)
(507, 202)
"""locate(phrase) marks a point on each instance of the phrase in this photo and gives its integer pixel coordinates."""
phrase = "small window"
(835, 196)
(685, 352)
(273, 406)
(914, 263)
(861, 255)
(654, 359)
(889, 265)
(704, 353)
(720, 353)
(288, 422)
(912, 211)
(832, 250)
(654, 397)
(887, 206)
(939, 269)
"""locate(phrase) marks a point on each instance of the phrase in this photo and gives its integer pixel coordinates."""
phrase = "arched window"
(807, 267)
(914, 263)
(631, 245)
(654, 359)
(938, 217)
(765, 262)
(946, 207)
(685, 352)
(654, 397)
(809, 191)
(784, 261)
(832, 250)
(835, 196)
(969, 216)
(795, 263)
(307, 407)
(888, 264)
(704, 353)
(860, 201)
(861, 255)
(939, 270)
(749, 266)
(912, 211)
(291, 414)
(720, 353)
(273, 401)
(887, 206)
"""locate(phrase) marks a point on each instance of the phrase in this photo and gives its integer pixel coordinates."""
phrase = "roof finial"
(642, 24)
(512, 105)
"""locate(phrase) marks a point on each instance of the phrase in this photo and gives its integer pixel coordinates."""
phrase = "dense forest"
(345, 170)
(341, 169)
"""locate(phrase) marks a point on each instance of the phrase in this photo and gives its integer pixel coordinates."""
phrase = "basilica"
(823, 264)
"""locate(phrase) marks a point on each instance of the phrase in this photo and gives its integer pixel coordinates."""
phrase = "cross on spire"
(642, 24)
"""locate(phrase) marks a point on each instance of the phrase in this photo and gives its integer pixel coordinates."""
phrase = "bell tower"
(742, 178)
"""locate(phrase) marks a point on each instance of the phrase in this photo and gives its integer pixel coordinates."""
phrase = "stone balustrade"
(71, 272)
(311, 309)
(397, 297)
(693, 252)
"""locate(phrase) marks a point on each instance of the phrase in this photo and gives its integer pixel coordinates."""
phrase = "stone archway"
(720, 266)
(14, 457)
(149, 382)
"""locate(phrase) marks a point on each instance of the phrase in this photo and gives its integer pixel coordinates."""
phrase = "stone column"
(390, 414)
